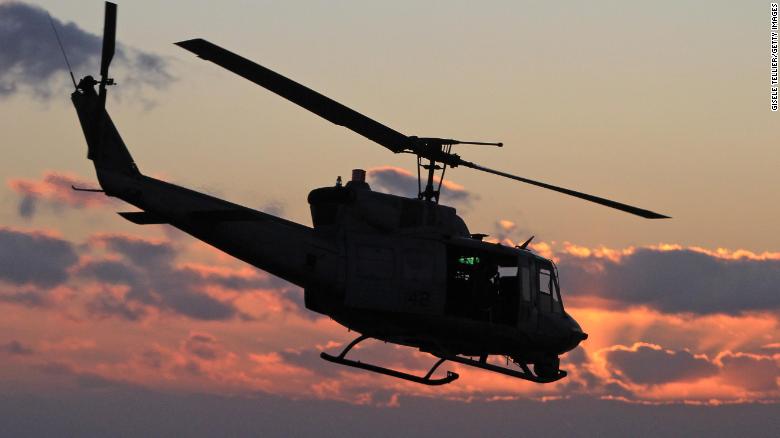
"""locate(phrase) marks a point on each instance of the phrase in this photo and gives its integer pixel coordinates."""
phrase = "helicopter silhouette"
(401, 270)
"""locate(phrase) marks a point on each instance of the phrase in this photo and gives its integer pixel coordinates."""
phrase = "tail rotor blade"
(109, 40)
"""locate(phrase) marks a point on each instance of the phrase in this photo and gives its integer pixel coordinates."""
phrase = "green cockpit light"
(468, 260)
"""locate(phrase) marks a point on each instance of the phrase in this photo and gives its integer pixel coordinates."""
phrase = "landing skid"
(425, 380)
(525, 373)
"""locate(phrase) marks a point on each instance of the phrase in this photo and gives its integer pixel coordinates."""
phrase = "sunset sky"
(110, 328)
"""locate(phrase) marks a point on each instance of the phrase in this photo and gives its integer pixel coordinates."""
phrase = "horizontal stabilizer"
(143, 217)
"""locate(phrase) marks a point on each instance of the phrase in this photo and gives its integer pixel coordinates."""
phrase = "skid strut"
(525, 374)
(425, 380)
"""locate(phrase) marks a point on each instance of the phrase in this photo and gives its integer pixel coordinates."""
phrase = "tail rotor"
(109, 44)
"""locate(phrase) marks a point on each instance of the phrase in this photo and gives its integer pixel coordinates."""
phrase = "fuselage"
(399, 269)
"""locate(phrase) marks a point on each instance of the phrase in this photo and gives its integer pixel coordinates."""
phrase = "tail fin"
(104, 144)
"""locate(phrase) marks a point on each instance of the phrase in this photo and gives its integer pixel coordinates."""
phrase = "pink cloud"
(54, 189)
(274, 347)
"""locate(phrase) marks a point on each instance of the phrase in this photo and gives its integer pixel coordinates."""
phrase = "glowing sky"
(663, 105)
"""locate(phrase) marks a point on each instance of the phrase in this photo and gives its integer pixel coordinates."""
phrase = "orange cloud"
(273, 346)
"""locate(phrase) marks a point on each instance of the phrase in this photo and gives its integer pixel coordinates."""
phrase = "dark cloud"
(33, 262)
(105, 305)
(143, 253)
(310, 359)
(204, 346)
(27, 206)
(403, 183)
(576, 357)
(27, 297)
(34, 258)
(81, 379)
(154, 280)
(153, 358)
(647, 365)
(753, 372)
(677, 281)
(234, 281)
(16, 348)
(110, 271)
(31, 59)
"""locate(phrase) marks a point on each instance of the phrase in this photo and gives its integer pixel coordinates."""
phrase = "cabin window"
(526, 285)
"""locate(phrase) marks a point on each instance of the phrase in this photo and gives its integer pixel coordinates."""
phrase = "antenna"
(525, 244)
(62, 49)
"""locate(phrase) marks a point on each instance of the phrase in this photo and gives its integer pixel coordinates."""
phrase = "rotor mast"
(431, 149)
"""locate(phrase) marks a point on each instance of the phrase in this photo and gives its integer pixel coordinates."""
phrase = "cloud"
(204, 346)
(34, 258)
(116, 275)
(751, 371)
(505, 232)
(147, 269)
(141, 252)
(153, 280)
(222, 328)
(651, 364)
(81, 379)
(32, 60)
(673, 280)
(54, 189)
(16, 348)
(401, 182)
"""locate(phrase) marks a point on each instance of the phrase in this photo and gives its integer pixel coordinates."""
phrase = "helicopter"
(402, 270)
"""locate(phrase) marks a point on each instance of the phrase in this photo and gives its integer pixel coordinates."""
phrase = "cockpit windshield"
(549, 292)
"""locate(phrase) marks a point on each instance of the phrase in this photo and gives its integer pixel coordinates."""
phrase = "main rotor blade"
(296, 93)
(109, 39)
(606, 202)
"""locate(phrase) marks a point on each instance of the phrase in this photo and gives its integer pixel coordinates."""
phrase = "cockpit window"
(545, 280)
(507, 271)
(556, 295)
(549, 294)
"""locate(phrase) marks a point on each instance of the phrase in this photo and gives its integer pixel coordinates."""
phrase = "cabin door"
(372, 272)
(422, 276)
(528, 310)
